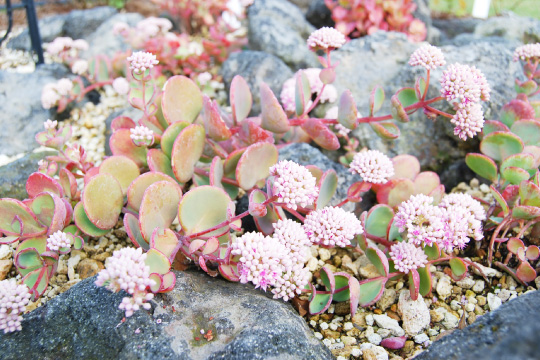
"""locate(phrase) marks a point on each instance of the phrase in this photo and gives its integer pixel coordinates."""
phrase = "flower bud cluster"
(293, 184)
(373, 166)
(428, 56)
(58, 240)
(53, 92)
(527, 52)
(332, 226)
(326, 38)
(407, 256)
(50, 125)
(13, 301)
(141, 61)
(141, 136)
(62, 46)
(126, 270)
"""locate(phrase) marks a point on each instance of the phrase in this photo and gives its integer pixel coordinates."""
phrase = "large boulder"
(22, 114)
(85, 323)
(278, 27)
(50, 27)
(512, 27)
(319, 15)
(508, 333)
(256, 67)
(81, 23)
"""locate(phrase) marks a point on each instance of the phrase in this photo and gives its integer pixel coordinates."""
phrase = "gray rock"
(50, 28)
(319, 15)
(508, 333)
(467, 39)
(302, 4)
(85, 323)
(104, 41)
(81, 23)
(256, 67)
(13, 176)
(22, 114)
(451, 28)
(512, 27)
(305, 154)
(278, 27)
(385, 56)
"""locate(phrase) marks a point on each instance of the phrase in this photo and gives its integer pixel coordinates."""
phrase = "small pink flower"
(428, 56)
(293, 184)
(13, 301)
(291, 282)
(121, 85)
(58, 240)
(466, 201)
(464, 84)
(421, 220)
(407, 257)
(468, 120)
(141, 136)
(325, 38)
(64, 86)
(59, 45)
(79, 67)
(373, 166)
(141, 61)
(332, 226)
(527, 52)
(49, 96)
(293, 236)
(50, 124)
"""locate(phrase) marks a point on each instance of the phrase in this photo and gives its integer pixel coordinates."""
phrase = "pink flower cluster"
(332, 226)
(141, 61)
(373, 166)
(293, 184)
(121, 85)
(527, 52)
(126, 270)
(326, 38)
(58, 240)
(64, 45)
(79, 67)
(287, 96)
(407, 257)
(53, 92)
(13, 301)
(141, 136)
(50, 124)
(428, 56)
(465, 86)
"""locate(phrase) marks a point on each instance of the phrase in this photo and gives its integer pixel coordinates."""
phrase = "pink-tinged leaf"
(302, 93)
(10, 210)
(229, 272)
(420, 87)
(515, 175)
(414, 284)
(341, 292)
(327, 75)
(376, 223)
(166, 242)
(187, 150)
(525, 272)
(182, 100)
(121, 144)
(264, 223)
(528, 130)
(394, 343)
(159, 207)
(376, 100)
(526, 87)
(354, 291)
(37, 243)
(355, 191)
(483, 166)
(68, 183)
(437, 194)
(511, 194)
(122, 122)
(37, 281)
(521, 254)
(347, 111)
(231, 162)
(529, 193)
(158, 280)
(195, 245)
(401, 191)
(327, 277)
(153, 124)
(169, 136)
(140, 184)
(500, 200)
(379, 260)
(51, 211)
(103, 199)
(492, 126)
(532, 253)
(251, 132)
(433, 252)
(315, 171)
(213, 123)
(425, 281)
(514, 244)
(371, 292)
(426, 182)
(256, 208)
(320, 133)
(90, 174)
(216, 172)
(202, 264)
(273, 117)
(516, 110)
(38, 182)
(405, 166)
(254, 164)
(122, 168)
(158, 262)
(159, 162)
(211, 246)
(499, 145)
(397, 110)
(8, 239)
(241, 100)
(28, 259)
(84, 224)
(168, 282)
(327, 188)
(133, 230)
(525, 212)
(319, 303)
(385, 130)
(458, 266)
(535, 152)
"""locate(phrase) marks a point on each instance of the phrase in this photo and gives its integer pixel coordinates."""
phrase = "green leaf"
(525, 212)
(273, 117)
(84, 224)
(319, 303)
(371, 291)
(458, 266)
(327, 188)
(182, 100)
(433, 252)
(254, 164)
(302, 93)
(241, 99)
(376, 100)
(425, 280)
(385, 130)
(122, 168)
(528, 130)
(327, 277)
(515, 175)
(378, 219)
(482, 165)
(170, 135)
(347, 111)
(379, 260)
(157, 262)
(499, 145)
(187, 150)
(529, 194)
(159, 207)
(500, 199)
(103, 199)
(11, 208)
(341, 281)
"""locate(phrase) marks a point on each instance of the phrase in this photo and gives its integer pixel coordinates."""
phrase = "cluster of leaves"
(356, 18)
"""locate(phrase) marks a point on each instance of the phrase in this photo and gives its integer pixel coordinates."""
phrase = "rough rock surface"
(508, 333)
(13, 176)
(278, 27)
(319, 15)
(22, 114)
(510, 26)
(50, 27)
(85, 323)
(81, 23)
(256, 67)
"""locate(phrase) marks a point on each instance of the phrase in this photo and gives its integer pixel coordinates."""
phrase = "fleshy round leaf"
(38, 182)
(254, 164)
(433, 252)
(50, 211)
(425, 281)
(355, 191)
(354, 291)
(401, 191)
(157, 262)
(327, 277)
(347, 111)
(10, 209)
(159, 207)
(341, 280)
(405, 166)
(133, 230)
(84, 224)
(103, 199)
(532, 252)
(426, 182)
(526, 87)
(319, 303)
(514, 244)
(515, 175)
(256, 198)
(492, 126)
(525, 212)
(376, 100)
(122, 168)
(68, 183)
(320, 133)
(458, 266)
(523, 160)
(188, 148)
(170, 135)
(516, 110)
(302, 93)
(414, 284)
(202, 208)
(500, 200)
(216, 172)
(28, 259)
(385, 130)
(371, 292)
(241, 99)
(140, 184)
(159, 162)
(121, 144)
(122, 122)
(483, 166)
(166, 242)
(378, 219)
(528, 131)
(327, 188)
(378, 259)
(525, 272)
(499, 145)
(182, 100)
(37, 281)
(213, 123)
(273, 117)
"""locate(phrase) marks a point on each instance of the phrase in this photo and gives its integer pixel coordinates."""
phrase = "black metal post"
(33, 29)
